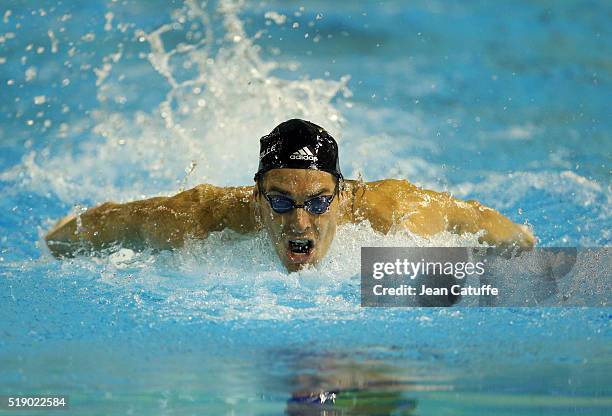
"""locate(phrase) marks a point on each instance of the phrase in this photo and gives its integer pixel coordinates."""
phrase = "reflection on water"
(372, 398)
(336, 385)
(134, 375)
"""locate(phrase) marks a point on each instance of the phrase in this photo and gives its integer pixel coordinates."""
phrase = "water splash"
(221, 97)
(206, 279)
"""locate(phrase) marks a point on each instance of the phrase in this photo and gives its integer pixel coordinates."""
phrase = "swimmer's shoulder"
(384, 201)
(390, 187)
(379, 201)
(204, 201)
(402, 191)
(223, 207)
(208, 192)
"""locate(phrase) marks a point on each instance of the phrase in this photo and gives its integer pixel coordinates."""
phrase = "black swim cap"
(298, 144)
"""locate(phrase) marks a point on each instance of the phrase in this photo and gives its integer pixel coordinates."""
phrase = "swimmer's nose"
(300, 221)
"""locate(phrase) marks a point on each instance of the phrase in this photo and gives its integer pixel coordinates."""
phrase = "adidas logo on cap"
(303, 154)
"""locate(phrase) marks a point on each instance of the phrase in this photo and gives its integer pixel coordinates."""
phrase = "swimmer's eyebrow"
(321, 191)
(279, 190)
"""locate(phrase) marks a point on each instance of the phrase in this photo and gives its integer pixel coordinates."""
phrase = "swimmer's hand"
(523, 237)
(61, 239)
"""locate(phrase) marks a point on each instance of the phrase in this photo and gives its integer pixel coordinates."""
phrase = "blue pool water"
(119, 100)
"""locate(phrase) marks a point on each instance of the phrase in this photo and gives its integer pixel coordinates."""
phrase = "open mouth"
(300, 246)
(300, 250)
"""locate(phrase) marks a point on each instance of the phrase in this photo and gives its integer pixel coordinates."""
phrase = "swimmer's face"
(299, 237)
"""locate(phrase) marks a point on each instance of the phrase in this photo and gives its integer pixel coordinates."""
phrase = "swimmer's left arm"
(392, 204)
(472, 216)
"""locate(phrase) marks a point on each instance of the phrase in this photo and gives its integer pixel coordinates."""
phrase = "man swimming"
(299, 198)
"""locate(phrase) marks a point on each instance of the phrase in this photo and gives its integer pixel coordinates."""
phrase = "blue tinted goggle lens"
(281, 204)
(318, 205)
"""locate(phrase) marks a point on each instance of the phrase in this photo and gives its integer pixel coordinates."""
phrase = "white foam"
(218, 129)
(206, 279)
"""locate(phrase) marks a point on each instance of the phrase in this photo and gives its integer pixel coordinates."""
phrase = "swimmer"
(299, 198)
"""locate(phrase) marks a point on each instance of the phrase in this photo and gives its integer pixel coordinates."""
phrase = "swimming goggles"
(282, 204)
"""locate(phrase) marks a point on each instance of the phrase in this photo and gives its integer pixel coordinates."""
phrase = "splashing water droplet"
(30, 73)
(88, 37)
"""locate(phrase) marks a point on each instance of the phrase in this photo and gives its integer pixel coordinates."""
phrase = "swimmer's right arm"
(105, 226)
(159, 223)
